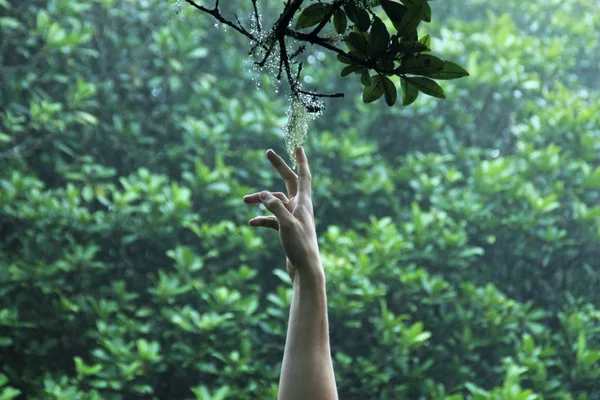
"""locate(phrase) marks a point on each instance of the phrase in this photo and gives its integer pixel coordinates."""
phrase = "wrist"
(311, 275)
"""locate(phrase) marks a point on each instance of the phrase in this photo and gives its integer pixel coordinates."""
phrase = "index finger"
(289, 177)
(304, 177)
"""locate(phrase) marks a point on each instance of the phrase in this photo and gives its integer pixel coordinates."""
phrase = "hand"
(293, 216)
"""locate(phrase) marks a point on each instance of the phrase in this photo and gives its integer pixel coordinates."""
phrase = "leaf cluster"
(379, 52)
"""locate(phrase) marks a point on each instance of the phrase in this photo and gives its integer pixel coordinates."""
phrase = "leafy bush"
(460, 238)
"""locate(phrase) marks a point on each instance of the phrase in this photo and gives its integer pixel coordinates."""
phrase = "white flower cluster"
(297, 125)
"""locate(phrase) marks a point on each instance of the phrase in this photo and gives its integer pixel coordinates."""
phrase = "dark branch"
(277, 37)
(217, 14)
(321, 94)
(256, 16)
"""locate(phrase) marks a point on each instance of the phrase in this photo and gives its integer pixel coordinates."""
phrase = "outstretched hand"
(293, 215)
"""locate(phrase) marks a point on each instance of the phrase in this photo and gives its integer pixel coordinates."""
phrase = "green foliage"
(397, 52)
(460, 239)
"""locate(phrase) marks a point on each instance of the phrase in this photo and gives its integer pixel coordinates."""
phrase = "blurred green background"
(460, 237)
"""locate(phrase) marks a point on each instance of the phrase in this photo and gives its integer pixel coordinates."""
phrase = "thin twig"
(256, 16)
(217, 14)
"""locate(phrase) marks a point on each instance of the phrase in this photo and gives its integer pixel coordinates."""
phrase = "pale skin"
(307, 369)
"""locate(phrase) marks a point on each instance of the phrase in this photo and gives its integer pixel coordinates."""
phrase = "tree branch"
(278, 34)
(217, 14)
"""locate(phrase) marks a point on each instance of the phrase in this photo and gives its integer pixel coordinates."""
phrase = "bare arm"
(307, 369)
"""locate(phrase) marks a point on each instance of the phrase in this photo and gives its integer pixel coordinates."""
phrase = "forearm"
(307, 370)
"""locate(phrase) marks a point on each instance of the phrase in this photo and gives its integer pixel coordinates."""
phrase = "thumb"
(277, 207)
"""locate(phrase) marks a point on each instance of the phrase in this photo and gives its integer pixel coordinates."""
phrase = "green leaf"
(394, 10)
(9, 23)
(86, 117)
(200, 52)
(390, 91)
(340, 21)
(56, 35)
(581, 346)
(9, 393)
(408, 48)
(358, 42)
(592, 181)
(379, 37)
(374, 91)
(283, 275)
(423, 64)
(450, 71)
(359, 16)
(312, 15)
(422, 337)
(427, 86)
(201, 392)
(590, 358)
(426, 41)
(350, 69)
(474, 389)
(343, 59)
(426, 13)
(409, 92)
(413, 16)
(222, 393)
(365, 77)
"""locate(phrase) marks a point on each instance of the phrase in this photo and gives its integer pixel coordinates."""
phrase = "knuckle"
(272, 201)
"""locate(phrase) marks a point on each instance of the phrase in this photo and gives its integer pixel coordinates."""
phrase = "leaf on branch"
(390, 91)
(312, 15)
(343, 59)
(359, 16)
(365, 77)
(427, 86)
(357, 41)
(407, 47)
(426, 41)
(379, 37)
(340, 22)
(413, 15)
(409, 92)
(451, 71)
(350, 69)
(374, 91)
(395, 11)
(424, 64)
